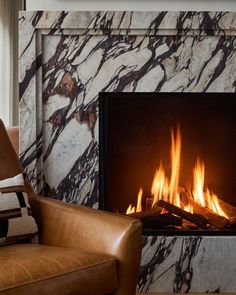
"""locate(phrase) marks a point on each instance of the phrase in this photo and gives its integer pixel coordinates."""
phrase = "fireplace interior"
(169, 159)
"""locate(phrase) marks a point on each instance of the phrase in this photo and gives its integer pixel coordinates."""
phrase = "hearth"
(168, 159)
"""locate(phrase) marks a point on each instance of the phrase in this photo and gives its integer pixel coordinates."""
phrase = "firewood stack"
(168, 216)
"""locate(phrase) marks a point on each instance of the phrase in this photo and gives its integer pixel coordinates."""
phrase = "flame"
(204, 197)
(198, 183)
(164, 211)
(132, 209)
(169, 190)
(213, 204)
(139, 202)
(161, 187)
(175, 166)
(188, 208)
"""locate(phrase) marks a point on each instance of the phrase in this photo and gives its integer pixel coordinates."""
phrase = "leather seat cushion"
(54, 270)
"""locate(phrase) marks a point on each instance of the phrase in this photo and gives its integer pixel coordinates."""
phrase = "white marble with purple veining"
(188, 264)
(67, 58)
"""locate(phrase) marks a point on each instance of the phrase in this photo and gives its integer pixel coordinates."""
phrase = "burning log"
(186, 225)
(153, 219)
(145, 215)
(228, 209)
(161, 221)
(194, 218)
(232, 221)
(212, 218)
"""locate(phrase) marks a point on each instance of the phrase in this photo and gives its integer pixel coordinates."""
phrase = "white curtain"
(9, 61)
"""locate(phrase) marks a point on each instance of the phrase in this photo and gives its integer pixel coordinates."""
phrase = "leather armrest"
(93, 230)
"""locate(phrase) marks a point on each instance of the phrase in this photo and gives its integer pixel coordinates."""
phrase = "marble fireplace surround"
(66, 59)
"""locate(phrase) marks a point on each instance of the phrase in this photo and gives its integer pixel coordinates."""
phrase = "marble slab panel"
(67, 58)
(188, 264)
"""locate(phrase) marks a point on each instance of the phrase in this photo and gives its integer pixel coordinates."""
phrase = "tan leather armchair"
(81, 251)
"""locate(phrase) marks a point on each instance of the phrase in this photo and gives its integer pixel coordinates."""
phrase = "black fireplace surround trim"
(103, 191)
(198, 232)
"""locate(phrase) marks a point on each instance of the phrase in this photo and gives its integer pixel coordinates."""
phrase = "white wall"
(142, 5)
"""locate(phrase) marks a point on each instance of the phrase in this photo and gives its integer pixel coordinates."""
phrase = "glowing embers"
(196, 200)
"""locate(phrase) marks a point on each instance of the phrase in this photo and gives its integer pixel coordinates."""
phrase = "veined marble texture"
(67, 58)
(188, 264)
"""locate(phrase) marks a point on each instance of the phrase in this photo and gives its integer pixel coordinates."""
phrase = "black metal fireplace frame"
(103, 189)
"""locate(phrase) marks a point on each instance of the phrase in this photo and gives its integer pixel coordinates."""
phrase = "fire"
(213, 204)
(175, 166)
(198, 183)
(169, 189)
(204, 197)
(162, 188)
(188, 208)
(138, 208)
(130, 209)
(139, 202)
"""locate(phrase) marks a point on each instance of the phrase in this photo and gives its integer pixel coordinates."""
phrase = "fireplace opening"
(169, 159)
